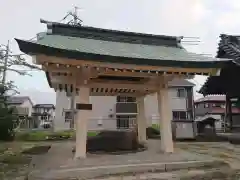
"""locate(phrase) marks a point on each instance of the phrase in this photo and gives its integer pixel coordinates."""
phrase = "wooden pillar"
(165, 113)
(226, 113)
(228, 116)
(84, 109)
(141, 120)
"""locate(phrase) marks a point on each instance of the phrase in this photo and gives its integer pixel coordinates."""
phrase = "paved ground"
(59, 161)
(61, 156)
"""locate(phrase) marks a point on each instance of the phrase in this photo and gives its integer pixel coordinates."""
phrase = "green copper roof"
(116, 47)
(120, 49)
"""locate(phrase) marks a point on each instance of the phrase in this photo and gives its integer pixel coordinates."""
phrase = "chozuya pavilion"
(92, 61)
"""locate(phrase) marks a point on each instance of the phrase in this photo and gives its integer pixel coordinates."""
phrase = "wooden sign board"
(80, 106)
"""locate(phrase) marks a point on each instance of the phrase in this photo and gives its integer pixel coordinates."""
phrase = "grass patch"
(91, 134)
(14, 165)
(223, 155)
(37, 150)
(2, 149)
(32, 136)
(48, 135)
(16, 159)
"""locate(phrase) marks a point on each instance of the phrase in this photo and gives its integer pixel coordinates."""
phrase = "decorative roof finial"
(75, 20)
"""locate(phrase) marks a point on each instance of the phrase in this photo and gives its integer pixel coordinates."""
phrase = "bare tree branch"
(17, 63)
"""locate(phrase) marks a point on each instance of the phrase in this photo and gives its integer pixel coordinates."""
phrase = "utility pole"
(5, 64)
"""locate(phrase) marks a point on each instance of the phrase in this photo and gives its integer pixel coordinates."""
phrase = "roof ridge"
(50, 23)
(112, 35)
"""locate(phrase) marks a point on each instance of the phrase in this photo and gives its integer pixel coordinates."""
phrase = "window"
(125, 99)
(179, 115)
(222, 105)
(43, 117)
(216, 105)
(181, 93)
(68, 94)
(68, 116)
(126, 121)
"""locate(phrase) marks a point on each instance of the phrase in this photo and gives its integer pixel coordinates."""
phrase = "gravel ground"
(218, 150)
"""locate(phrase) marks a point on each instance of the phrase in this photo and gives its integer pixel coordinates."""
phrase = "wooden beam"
(122, 86)
(95, 71)
(108, 85)
(127, 73)
(41, 59)
(136, 94)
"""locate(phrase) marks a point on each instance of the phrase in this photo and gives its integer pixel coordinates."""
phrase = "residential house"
(24, 109)
(113, 112)
(23, 104)
(43, 113)
(214, 106)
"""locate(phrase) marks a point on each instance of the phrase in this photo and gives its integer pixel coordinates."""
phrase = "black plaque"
(80, 106)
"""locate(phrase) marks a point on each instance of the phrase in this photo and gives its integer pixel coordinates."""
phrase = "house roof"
(229, 47)
(18, 99)
(211, 98)
(103, 45)
(44, 106)
(178, 82)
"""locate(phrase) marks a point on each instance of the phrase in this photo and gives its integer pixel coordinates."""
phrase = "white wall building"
(112, 112)
(23, 104)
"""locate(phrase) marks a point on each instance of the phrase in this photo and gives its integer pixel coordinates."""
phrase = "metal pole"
(5, 64)
(73, 107)
(75, 15)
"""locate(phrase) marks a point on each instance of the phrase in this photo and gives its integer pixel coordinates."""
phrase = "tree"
(13, 63)
(7, 117)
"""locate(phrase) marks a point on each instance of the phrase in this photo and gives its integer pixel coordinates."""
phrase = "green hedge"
(156, 126)
(47, 135)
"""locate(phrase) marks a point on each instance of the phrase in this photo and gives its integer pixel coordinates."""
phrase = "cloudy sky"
(206, 19)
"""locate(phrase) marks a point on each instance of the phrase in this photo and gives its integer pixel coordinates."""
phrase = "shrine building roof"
(229, 47)
(104, 45)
